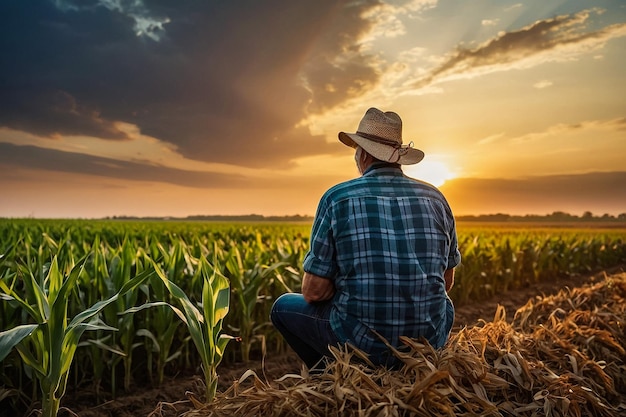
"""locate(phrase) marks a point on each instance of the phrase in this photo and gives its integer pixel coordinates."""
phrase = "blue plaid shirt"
(385, 240)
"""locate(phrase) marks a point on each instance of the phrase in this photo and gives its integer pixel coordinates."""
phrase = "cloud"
(146, 24)
(599, 192)
(25, 162)
(611, 125)
(489, 22)
(560, 38)
(513, 7)
(386, 18)
(224, 83)
(542, 84)
(491, 139)
(55, 113)
(557, 130)
(221, 82)
(14, 156)
(339, 66)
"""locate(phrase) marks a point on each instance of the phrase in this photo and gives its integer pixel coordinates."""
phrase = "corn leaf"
(96, 308)
(104, 346)
(10, 338)
(9, 295)
(144, 306)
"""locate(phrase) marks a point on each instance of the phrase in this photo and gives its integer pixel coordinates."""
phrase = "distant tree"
(560, 216)
(501, 217)
(587, 215)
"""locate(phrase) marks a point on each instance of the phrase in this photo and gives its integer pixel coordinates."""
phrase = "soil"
(173, 398)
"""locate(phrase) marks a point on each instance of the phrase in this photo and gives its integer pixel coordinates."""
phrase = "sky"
(203, 107)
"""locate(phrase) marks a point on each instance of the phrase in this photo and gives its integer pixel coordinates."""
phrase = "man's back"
(381, 259)
(386, 240)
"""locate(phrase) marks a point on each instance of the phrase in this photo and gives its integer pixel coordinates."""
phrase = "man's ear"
(363, 156)
(366, 158)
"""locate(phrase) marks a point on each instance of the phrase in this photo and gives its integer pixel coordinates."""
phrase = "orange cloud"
(557, 39)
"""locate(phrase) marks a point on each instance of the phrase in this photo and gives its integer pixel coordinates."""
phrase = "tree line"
(557, 216)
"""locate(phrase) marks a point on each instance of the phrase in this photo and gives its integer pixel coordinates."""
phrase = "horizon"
(495, 216)
(162, 109)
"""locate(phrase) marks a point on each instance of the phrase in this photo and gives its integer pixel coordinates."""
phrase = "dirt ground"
(171, 399)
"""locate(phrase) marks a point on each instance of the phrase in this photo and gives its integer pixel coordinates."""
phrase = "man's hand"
(448, 276)
(316, 288)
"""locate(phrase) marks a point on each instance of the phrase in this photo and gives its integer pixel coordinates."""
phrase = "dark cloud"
(46, 60)
(508, 48)
(223, 82)
(331, 83)
(14, 156)
(599, 192)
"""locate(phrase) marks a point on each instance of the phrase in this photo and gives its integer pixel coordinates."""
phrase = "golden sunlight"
(433, 172)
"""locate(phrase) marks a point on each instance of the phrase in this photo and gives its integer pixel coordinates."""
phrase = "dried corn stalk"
(560, 356)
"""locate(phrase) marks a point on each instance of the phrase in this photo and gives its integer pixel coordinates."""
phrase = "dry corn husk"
(561, 355)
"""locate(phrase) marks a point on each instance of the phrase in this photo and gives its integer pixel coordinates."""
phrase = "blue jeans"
(443, 337)
(305, 327)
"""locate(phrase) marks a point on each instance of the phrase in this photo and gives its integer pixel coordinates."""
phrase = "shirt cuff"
(318, 267)
(454, 260)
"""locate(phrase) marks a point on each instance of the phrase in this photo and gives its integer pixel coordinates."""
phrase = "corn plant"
(205, 324)
(92, 284)
(160, 328)
(248, 279)
(117, 274)
(48, 345)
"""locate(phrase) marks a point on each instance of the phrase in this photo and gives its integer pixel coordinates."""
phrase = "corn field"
(109, 304)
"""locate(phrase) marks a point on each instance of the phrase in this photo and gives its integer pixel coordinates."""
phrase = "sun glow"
(433, 172)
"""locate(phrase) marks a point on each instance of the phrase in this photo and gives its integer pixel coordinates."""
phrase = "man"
(381, 259)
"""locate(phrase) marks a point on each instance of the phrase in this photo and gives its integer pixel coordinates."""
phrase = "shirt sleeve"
(320, 260)
(454, 257)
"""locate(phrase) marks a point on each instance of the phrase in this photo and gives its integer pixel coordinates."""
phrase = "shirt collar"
(383, 167)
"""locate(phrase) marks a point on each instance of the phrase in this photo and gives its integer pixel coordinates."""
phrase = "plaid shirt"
(385, 240)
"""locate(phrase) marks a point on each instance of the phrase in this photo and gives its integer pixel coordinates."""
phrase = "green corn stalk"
(159, 330)
(247, 284)
(6, 273)
(204, 325)
(103, 277)
(91, 290)
(119, 274)
(48, 345)
(470, 274)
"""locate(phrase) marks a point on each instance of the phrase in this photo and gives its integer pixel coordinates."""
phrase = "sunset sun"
(433, 172)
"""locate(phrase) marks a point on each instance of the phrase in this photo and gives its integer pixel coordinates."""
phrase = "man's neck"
(376, 163)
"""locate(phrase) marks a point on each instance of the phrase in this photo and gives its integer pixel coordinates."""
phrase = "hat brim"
(408, 156)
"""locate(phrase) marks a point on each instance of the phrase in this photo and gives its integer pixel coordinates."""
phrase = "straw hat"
(380, 135)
